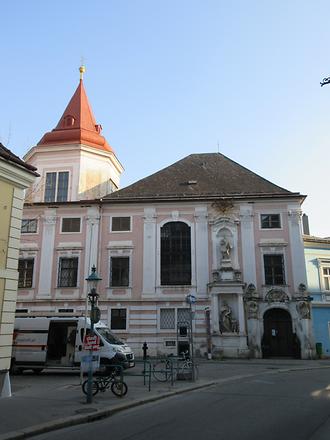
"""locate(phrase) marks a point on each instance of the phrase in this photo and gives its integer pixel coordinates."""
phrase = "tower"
(74, 160)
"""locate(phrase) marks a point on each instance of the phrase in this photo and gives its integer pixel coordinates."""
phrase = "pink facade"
(239, 254)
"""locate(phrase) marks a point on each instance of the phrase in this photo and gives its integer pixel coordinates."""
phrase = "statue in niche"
(225, 248)
(303, 309)
(227, 322)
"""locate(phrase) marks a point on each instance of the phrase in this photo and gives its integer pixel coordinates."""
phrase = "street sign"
(190, 299)
(91, 342)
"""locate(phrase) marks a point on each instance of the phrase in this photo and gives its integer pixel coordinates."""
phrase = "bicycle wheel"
(95, 387)
(119, 388)
(186, 371)
(162, 371)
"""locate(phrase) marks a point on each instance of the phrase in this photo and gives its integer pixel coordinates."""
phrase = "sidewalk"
(53, 400)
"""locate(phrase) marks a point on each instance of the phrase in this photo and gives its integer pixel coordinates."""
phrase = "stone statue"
(226, 318)
(303, 309)
(225, 249)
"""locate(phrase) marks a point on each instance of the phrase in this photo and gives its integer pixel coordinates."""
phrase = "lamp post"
(92, 281)
(191, 299)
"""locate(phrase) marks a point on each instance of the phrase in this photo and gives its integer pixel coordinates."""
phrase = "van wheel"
(37, 370)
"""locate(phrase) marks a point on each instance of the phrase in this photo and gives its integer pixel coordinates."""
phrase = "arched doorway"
(278, 339)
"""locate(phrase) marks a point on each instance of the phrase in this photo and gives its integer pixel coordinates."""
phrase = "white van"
(57, 342)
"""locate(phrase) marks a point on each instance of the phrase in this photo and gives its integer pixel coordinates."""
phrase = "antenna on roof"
(218, 144)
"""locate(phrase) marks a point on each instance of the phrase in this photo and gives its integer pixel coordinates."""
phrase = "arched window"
(175, 259)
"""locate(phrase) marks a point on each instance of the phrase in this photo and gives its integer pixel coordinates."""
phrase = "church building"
(204, 235)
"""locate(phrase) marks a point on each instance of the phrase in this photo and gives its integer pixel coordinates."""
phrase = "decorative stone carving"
(302, 289)
(304, 309)
(295, 215)
(50, 219)
(224, 206)
(276, 295)
(252, 310)
(251, 292)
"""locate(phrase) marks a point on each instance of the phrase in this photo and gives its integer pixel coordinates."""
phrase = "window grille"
(274, 269)
(25, 272)
(167, 319)
(29, 226)
(121, 224)
(71, 224)
(175, 254)
(119, 272)
(68, 272)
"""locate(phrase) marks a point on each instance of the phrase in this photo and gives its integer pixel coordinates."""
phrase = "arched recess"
(278, 339)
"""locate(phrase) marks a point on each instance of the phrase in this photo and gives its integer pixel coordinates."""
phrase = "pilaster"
(47, 254)
(149, 252)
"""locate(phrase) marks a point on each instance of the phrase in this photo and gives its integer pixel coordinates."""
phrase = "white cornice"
(16, 175)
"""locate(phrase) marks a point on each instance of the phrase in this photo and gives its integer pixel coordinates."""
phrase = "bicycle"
(187, 370)
(102, 383)
(163, 370)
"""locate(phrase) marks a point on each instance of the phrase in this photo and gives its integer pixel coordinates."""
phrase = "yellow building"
(15, 177)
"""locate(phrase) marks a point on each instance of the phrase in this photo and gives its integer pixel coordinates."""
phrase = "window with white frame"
(67, 272)
(70, 224)
(56, 186)
(25, 272)
(120, 224)
(29, 226)
(270, 221)
(274, 269)
(118, 319)
(119, 271)
(175, 258)
(326, 277)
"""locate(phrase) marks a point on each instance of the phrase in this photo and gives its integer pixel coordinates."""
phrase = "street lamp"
(92, 282)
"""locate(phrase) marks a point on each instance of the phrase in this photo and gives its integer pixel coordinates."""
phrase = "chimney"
(305, 224)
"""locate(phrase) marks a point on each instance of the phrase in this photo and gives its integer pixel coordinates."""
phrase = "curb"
(65, 422)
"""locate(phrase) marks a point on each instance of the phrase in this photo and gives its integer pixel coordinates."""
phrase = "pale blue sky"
(171, 78)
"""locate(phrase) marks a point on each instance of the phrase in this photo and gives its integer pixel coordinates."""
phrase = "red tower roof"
(77, 124)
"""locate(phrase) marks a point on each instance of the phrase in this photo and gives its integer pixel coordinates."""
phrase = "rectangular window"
(25, 272)
(270, 221)
(56, 188)
(119, 272)
(71, 224)
(68, 272)
(167, 319)
(118, 319)
(274, 270)
(326, 278)
(29, 226)
(184, 315)
(122, 224)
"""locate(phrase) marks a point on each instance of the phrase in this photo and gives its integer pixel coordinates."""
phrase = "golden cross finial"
(82, 68)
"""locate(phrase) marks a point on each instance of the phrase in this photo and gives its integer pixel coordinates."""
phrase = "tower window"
(56, 188)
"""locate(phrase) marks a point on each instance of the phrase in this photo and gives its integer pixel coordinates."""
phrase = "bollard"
(145, 349)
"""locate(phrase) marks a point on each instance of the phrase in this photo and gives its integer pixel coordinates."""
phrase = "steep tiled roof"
(7, 155)
(77, 124)
(201, 175)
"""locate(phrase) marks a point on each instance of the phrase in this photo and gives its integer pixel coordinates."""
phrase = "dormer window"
(69, 121)
(56, 188)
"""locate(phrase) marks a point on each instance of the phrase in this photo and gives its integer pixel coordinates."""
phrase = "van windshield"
(108, 336)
